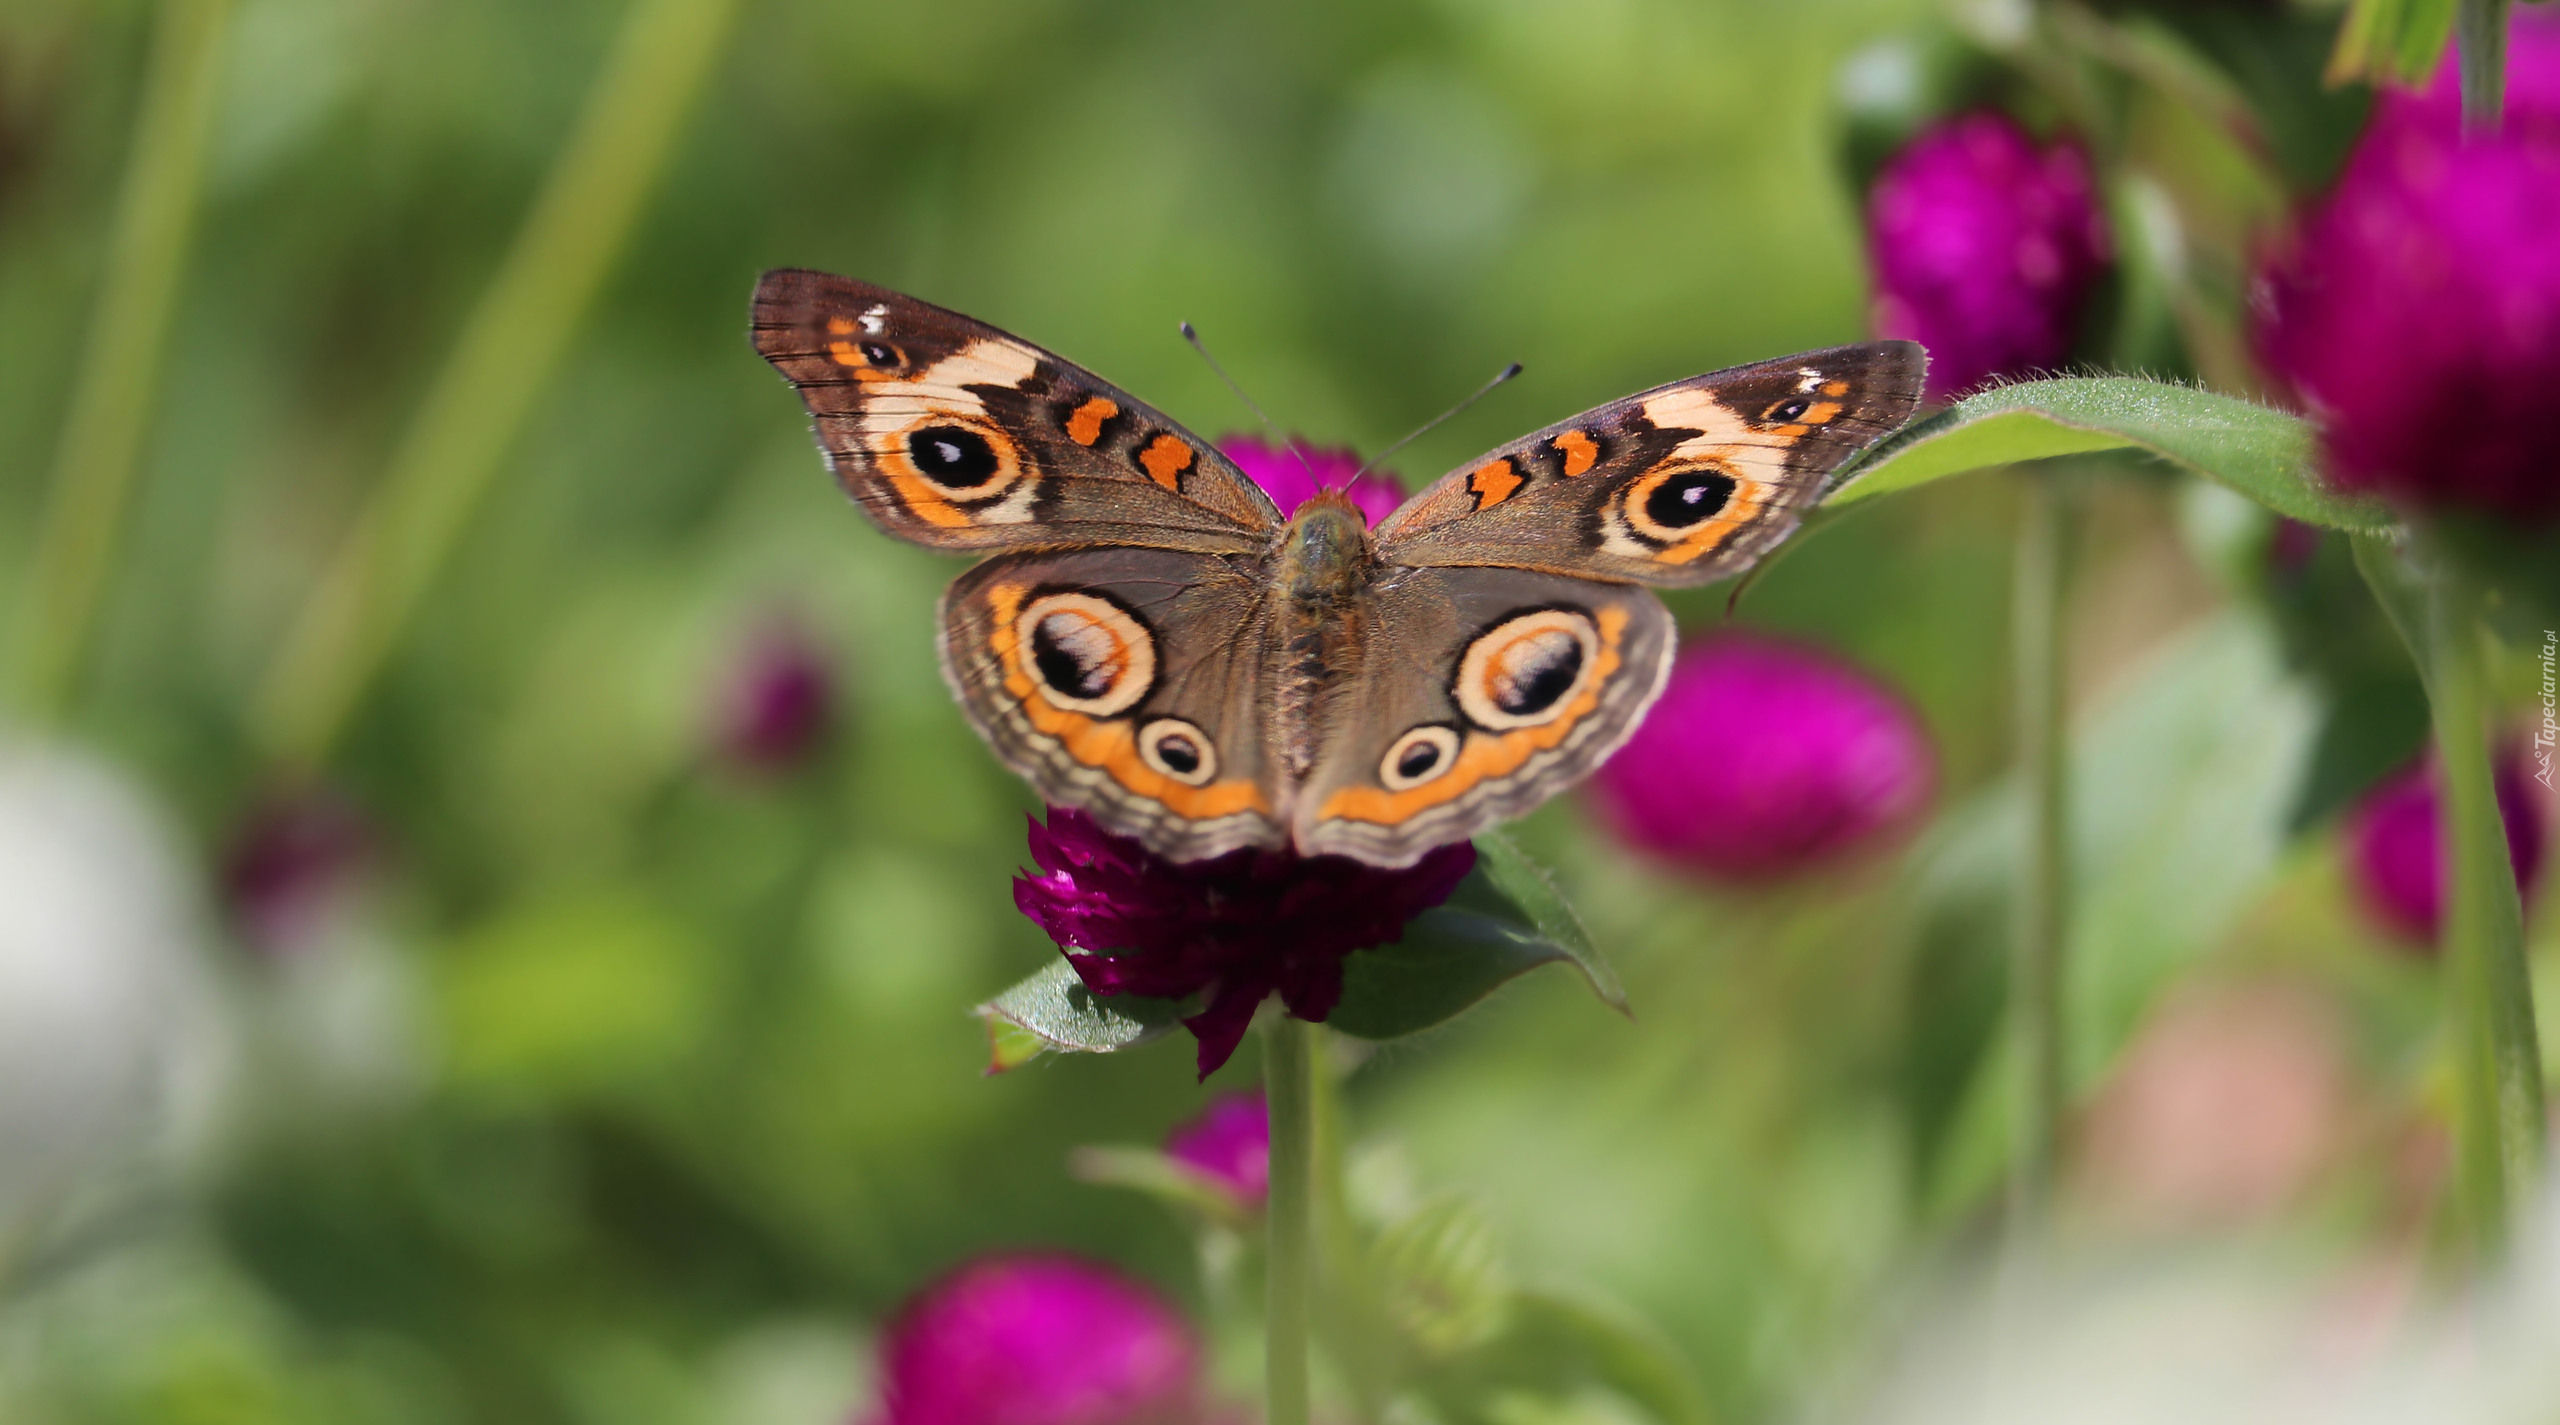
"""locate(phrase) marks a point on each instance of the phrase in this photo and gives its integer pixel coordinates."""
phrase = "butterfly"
(1151, 641)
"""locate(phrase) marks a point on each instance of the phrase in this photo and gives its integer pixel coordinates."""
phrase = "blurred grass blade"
(1053, 1010)
(2391, 41)
(2480, 30)
(120, 370)
(2498, 1125)
(2259, 452)
(507, 351)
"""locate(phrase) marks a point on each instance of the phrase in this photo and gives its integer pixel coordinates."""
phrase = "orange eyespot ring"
(1179, 750)
(1526, 670)
(1669, 504)
(1423, 754)
(958, 457)
(1087, 654)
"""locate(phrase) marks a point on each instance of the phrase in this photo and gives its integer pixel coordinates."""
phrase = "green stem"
(2035, 975)
(1288, 1086)
(2480, 39)
(2498, 1123)
(120, 367)
(507, 350)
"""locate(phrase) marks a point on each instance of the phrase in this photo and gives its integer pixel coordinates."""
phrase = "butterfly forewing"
(1684, 484)
(955, 435)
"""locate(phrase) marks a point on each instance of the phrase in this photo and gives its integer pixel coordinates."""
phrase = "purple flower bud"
(1231, 1142)
(1985, 249)
(1764, 759)
(2415, 311)
(1038, 1340)
(1292, 474)
(778, 704)
(292, 863)
(2395, 851)
(1238, 928)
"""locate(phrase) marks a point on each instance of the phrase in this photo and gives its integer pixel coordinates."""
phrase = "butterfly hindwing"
(1684, 484)
(955, 435)
(1125, 681)
(1479, 693)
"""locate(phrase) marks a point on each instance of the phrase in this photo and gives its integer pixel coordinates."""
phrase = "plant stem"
(1288, 1086)
(507, 350)
(120, 368)
(2035, 972)
(2480, 42)
(2498, 1123)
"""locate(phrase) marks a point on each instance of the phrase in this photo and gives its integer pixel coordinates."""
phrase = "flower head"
(293, 863)
(2395, 849)
(1237, 928)
(778, 703)
(1765, 758)
(2415, 311)
(1292, 474)
(1985, 248)
(1231, 1142)
(1037, 1340)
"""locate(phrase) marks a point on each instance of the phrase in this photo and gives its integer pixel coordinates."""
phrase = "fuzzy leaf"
(1165, 1178)
(2391, 41)
(1527, 884)
(1449, 958)
(2259, 452)
(1054, 1010)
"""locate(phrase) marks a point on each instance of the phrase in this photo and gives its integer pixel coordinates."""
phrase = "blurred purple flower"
(294, 861)
(778, 703)
(2394, 852)
(1038, 1340)
(1985, 249)
(1236, 928)
(1764, 759)
(2415, 311)
(1231, 1142)
(1291, 475)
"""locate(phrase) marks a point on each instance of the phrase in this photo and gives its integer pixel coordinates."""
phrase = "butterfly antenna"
(1434, 423)
(1191, 334)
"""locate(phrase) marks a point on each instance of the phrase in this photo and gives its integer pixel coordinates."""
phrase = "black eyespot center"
(953, 457)
(1421, 757)
(1542, 669)
(1788, 410)
(881, 354)
(1063, 651)
(1178, 752)
(1691, 497)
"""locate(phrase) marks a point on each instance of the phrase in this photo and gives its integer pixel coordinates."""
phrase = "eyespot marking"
(1085, 426)
(1493, 483)
(1787, 412)
(956, 460)
(1086, 653)
(1579, 451)
(1421, 755)
(1164, 460)
(1178, 750)
(1526, 670)
(1670, 504)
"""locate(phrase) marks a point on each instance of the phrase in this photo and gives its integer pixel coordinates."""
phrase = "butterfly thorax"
(1324, 568)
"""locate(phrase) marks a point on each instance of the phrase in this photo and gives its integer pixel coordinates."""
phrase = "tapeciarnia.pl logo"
(2545, 735)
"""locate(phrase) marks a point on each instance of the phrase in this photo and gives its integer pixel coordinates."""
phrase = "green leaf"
(2391, 41)
(1167, 1179)
(1529, 887)
(1053, 1010)
(1442, 1273)
(2262, 453)
(1557, 1339)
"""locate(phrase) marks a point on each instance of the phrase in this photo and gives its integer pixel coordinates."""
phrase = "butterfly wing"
(1684, 484)
(1479, 693)
(1126, 682)
(954, 435)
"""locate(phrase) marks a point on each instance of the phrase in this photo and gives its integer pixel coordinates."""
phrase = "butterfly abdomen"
(1323, 569)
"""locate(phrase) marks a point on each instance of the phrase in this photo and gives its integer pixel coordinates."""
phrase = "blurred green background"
(638, 1085)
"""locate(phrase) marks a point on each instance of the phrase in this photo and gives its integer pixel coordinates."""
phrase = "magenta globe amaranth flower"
(2395, 845)
(1234, 929)
(1038, 1340)
(1229, 1143)
(1765, 758)
(778, 703)
(1985, 248)
(1292, 474)
(2415, 311)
